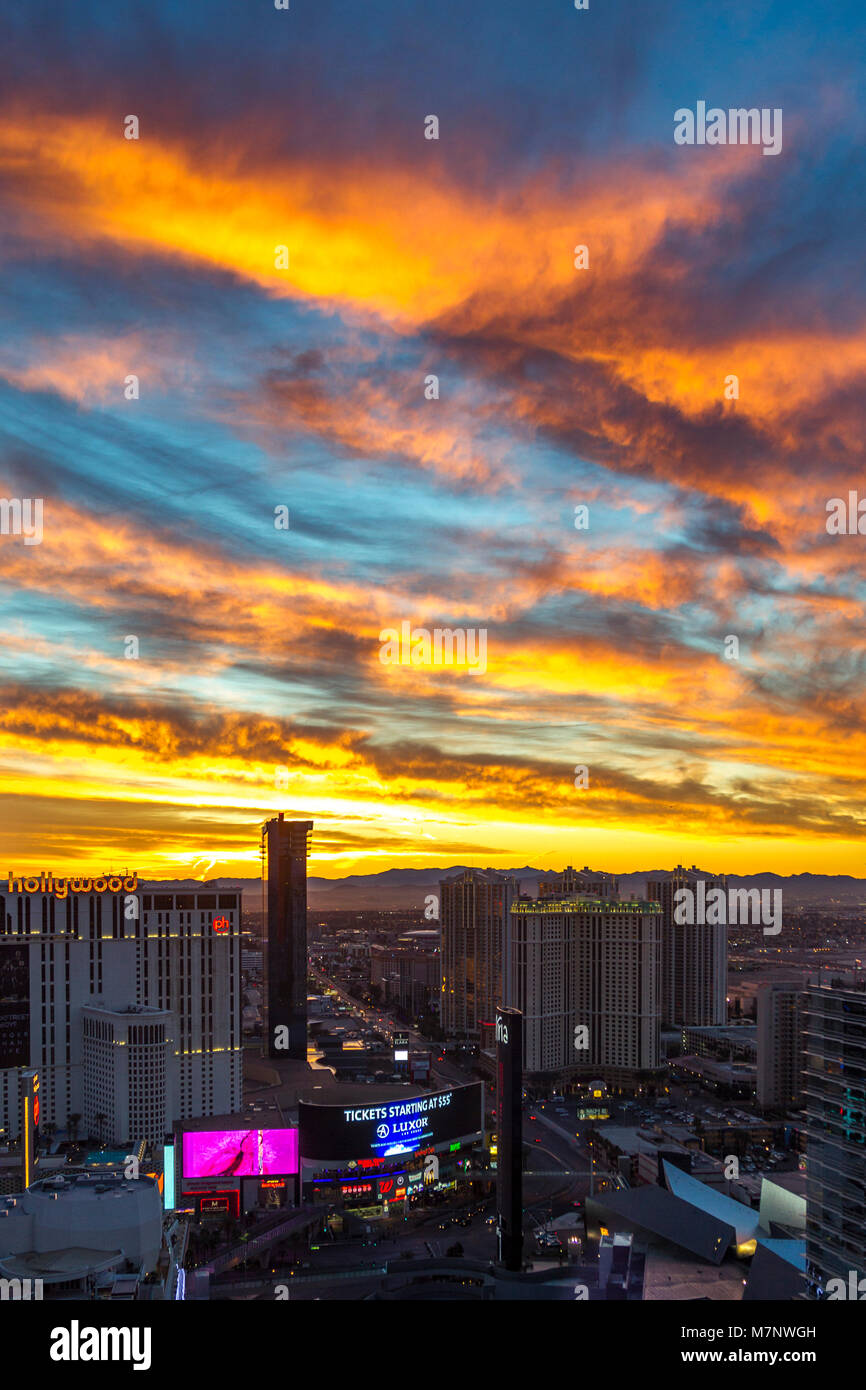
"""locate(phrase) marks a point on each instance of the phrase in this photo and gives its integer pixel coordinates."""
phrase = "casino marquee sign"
(390, 1127)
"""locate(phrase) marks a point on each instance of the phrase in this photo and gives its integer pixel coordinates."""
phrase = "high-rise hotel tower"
(126, 1001)
(473, 913)
(286, 846)
(694, 956)
(585, 973)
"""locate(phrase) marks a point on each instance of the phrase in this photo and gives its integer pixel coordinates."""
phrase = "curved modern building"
(70, 1229)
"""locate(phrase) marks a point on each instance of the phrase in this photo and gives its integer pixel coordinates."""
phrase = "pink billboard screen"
(240, 1153)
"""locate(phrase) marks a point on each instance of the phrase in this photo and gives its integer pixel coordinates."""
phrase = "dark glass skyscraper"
(286, 846)
(834, 1081)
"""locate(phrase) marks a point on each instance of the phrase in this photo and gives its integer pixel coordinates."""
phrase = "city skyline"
(218, 382)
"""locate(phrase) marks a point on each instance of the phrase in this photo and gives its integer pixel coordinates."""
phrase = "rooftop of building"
(748, 1028)
(585, 872)
(128, 1010)
(582, 903)
(59, 1266)
(704, 1197)
(630, 1139)
(82, 1185)
(754, 1122)
(276, 1085)
(713, 1069)
(73, 1187)
(667, 875)
(675, 1275)
(655, 1214)
(776, 1272)
(648, 1138)
(350, 1093)
(110, 1158)
(494, 876)
(417, 943)
(794, 1182)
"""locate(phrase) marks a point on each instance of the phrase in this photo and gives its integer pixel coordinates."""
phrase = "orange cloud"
(386, 239)
(92, 370)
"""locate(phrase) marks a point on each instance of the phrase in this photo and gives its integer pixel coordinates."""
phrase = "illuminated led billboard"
(390, 1127)
(240, 1153)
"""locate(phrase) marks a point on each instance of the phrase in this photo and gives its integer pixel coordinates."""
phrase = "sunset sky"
(304, 387)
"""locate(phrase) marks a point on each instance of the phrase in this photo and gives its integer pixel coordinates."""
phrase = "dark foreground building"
(834, 1081)
(286, 846)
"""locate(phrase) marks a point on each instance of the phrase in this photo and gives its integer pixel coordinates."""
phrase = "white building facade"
(132, 1008)
(586, 974)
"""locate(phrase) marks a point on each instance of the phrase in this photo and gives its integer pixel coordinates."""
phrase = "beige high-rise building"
(780, 1045)
(585, 883)
(694, 956)
(473, 918)
(593, 964)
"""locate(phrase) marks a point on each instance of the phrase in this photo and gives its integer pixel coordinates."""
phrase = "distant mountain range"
(405, 888)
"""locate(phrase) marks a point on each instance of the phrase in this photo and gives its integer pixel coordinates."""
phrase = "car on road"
(549, 1243)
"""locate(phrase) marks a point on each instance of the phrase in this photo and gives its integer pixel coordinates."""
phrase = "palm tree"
(74, 1122)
